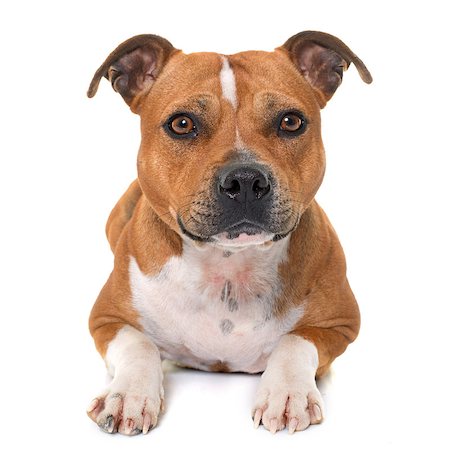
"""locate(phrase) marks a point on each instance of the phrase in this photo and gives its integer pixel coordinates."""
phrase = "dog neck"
(243, 267)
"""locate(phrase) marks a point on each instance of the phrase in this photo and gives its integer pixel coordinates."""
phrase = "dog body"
(223, 259)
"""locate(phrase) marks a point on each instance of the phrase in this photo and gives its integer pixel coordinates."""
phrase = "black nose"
(245, 183)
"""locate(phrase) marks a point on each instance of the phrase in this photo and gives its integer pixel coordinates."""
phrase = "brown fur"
(219, 366)
(122, 212)
(331, 320)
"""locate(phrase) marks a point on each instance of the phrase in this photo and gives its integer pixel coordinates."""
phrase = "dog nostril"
(260, 187)
(231, 188)
(234, 188)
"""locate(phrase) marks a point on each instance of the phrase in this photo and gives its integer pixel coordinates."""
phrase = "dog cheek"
(152, 176)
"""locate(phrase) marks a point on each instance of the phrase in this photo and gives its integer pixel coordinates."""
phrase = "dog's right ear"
(133, 66)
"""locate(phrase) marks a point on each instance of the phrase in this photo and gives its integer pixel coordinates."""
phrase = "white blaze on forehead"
(238, 141)
(228, 82)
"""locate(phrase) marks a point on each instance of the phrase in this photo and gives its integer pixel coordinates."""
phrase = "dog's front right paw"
(129, 412)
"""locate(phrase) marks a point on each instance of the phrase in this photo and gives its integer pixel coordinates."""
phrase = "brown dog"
(223, 259)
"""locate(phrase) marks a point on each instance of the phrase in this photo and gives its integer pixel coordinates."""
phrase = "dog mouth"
(241, 234)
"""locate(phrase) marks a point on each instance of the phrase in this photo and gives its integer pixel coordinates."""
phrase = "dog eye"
(291, 124)
(182, 125)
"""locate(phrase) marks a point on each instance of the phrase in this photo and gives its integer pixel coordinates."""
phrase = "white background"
(65, 160)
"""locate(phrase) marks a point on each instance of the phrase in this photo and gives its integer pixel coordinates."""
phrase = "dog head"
(231, 149)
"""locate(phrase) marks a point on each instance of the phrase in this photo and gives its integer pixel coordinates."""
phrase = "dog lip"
(244, 226)
(190, 235)
(242, 240)
(279, 236)
(252, 234)
(242, 234)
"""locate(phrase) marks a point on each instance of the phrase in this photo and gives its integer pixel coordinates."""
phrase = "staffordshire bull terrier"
(223, 259)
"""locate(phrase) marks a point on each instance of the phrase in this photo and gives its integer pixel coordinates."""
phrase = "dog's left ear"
(322, 58)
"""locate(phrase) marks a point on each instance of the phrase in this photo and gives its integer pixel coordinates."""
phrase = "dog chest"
(206, 308)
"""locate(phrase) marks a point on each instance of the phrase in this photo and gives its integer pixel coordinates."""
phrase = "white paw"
(287, 404)
(127, 408)
(287, 395)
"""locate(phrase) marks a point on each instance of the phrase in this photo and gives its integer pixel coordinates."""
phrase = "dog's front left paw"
(282, 404)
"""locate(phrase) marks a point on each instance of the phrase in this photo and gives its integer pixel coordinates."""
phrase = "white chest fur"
(207, 307)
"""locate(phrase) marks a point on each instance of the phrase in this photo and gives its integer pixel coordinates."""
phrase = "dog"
(224, 261)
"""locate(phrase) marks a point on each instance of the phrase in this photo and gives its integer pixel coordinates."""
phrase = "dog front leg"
(287, 393)
(132, 401)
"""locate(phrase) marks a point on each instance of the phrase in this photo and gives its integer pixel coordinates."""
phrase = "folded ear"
(134, 65)
(322, 58)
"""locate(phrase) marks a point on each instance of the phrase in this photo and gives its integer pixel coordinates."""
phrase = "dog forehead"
(271, 80)
(187, 73)
(251, 71)
(265, 68)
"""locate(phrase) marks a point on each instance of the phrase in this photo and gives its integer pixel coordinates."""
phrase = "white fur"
(287, 394)
(238, 142)
(184, 312)
(133, 399)
(228, 83)
(131, 349)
